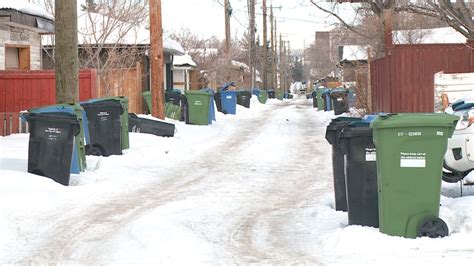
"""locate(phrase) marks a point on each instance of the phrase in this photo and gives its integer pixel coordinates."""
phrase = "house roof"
(26, 8)
(183, 60)
(22, 14)
(427, 36)
(354, 53)
(246, 69)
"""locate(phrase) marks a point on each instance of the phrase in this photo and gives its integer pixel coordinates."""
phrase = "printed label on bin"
(370, 155)
(409, 134)
(439, 133)
(103, 116)
(412, 159)
(228, 97)
(197, 102)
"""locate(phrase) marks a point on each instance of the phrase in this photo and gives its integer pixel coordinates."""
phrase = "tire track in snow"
(263, 236)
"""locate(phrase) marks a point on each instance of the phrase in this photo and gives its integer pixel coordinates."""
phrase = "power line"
(234, 17)
(288, 18)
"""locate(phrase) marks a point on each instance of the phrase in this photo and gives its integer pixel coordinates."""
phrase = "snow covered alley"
(252, 188)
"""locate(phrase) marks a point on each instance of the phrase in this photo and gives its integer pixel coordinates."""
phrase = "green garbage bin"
(263, 96)
(410, 150)
(199, 106)
(172, 111)
(123, 119)
(80, 114)
(279, 95)
(147, 97)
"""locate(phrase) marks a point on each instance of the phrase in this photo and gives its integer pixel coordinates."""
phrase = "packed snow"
(251, 188)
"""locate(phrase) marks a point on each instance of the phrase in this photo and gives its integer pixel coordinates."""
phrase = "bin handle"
(386, 115)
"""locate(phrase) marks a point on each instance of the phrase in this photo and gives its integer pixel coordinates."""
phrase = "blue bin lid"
(226, 85)
(462, 105)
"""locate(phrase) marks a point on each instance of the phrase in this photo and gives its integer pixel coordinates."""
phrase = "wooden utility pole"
(281, 67)
(274, 61)
(265, 47)
(272, 44)
(252, 59)
(228, 11)
(288, 62)
(66, 54)
(369, 81)
(156, 61)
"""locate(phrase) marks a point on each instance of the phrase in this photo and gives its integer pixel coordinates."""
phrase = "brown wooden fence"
(124, 82)
(9, 123)
(403, 81)
(21, 90)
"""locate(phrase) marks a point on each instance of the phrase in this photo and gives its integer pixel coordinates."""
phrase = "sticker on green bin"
(413, 159)
(199, 103)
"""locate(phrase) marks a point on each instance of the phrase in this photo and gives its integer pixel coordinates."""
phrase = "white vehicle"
(459, 157)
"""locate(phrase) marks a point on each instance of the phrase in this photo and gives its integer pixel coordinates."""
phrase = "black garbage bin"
(333, 131)
(339, 101)
(184, 110)
(243, 98)
(173, 97)
(105, 129)
(50, 147)
(356, 143)
(271, 94)
(149, 126)
(217, 99)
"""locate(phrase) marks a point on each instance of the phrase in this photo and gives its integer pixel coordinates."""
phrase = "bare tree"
(113, 34)
(457, 14)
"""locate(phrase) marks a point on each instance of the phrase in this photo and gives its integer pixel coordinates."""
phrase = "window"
(17, 57)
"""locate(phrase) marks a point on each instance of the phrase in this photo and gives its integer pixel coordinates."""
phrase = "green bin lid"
(402, 120)
(196, 92)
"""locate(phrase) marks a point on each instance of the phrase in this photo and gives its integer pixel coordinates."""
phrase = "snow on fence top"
(24, 6)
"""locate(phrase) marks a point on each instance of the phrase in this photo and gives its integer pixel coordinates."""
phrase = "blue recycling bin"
(77, 164)
(229, 102)
(256, 92)
(212, 111)
(327, 100)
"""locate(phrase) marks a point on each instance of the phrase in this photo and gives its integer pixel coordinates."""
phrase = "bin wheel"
(433, 228)
(452, 177)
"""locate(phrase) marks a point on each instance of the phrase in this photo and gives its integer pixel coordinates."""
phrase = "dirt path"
(264, 195)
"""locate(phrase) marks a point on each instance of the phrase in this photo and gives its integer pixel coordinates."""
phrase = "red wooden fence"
(21, 90)
(9, 123)
(404, 80)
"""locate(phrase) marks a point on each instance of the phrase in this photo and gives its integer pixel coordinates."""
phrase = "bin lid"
(356, 129)
(401, 120)
(340, 122)
(462, 105)
(339, 90)
(196, 92)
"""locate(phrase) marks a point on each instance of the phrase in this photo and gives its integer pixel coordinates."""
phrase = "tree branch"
(347, 25)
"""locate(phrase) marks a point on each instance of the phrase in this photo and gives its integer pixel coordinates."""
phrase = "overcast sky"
(297, 20)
